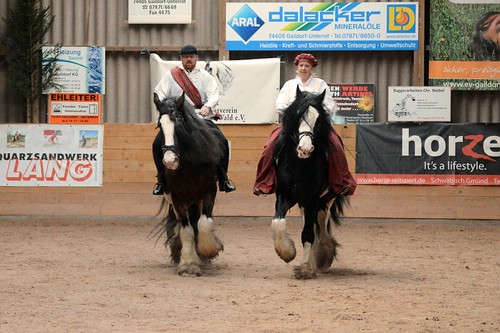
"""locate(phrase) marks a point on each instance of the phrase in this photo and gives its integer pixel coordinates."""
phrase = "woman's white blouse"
(315, 85)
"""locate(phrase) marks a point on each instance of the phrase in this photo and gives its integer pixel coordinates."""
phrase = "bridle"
(299, 135)
(164, 147)
(171, 148)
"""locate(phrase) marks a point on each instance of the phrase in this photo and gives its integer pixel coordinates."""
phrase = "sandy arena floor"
(390, 276)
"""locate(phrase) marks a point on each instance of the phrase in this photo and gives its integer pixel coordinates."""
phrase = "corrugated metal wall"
(127, 99)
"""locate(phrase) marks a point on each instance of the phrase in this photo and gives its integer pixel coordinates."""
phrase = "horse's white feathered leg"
(190, 261)
(284, 246)
(306, 269)
(324, 247)
(307, 252)
(208, 243)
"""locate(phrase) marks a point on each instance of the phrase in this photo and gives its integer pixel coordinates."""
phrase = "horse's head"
(300, 120)
(171, 111)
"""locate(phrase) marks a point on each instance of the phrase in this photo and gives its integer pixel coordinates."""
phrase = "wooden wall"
(129, 176)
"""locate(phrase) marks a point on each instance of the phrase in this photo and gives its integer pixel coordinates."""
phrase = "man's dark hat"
(188, 49)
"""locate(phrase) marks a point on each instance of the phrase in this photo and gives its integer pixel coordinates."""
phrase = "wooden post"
(223, 53)
(419, 55)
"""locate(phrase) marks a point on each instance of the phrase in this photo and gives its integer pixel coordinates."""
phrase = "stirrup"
(158, 189)
(226, 186)
(259, 192)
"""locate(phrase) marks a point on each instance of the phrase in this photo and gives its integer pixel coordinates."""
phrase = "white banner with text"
(248, 88)
(51, 155)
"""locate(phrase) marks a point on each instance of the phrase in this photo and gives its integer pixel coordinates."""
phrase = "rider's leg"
(265, 182)
(339, 176)
(225, 184)
(159, 188)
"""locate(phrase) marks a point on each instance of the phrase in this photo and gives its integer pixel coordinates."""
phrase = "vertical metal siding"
(127, 99)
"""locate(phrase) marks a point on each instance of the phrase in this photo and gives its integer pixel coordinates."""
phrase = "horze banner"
(428, 154)
(247, 88)
(324, 26)
(464, 44)
(81, 69)
(51, 155)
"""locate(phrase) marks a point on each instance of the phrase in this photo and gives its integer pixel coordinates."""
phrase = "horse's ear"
(322, 95)
(157, 101)
(181, 100)
(298, 92)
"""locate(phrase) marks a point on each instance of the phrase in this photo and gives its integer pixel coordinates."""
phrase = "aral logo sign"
(322, 26)
(245, 22)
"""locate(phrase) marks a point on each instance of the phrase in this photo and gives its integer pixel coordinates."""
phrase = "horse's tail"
(159, 229)
(337, 208)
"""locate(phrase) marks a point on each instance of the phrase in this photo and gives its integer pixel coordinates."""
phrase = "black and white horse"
(192, 153)
(302, 178)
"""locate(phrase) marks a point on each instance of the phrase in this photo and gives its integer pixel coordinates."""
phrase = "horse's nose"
(171, 160)
(303, 152)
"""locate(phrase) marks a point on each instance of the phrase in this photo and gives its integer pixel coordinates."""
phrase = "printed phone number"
(159, 7)
(360, 35)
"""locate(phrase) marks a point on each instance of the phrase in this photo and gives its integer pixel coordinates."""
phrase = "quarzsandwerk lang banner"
(428, 154)
(247, 88)
(322, 26)
(51, 155)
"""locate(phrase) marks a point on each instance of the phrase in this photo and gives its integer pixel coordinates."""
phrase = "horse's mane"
(294, 113)
(196, 141)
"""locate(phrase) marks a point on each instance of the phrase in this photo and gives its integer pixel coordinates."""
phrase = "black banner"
(428, 154)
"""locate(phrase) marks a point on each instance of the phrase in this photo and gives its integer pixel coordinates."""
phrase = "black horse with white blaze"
(192, 154)
(302, 178)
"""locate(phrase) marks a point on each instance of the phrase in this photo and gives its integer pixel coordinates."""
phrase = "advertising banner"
(355, 103)
(323, 26)
(51, 155)
(419, 104)
(465, 44)
(81, 70)
(74, 109)
(247, 88)
(428, 154)
(159, 11)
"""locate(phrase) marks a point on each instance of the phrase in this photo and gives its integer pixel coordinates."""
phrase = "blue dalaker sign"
(322, 26)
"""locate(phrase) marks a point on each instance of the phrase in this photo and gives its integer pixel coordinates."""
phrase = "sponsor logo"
(473, 145)
(401, 18)
(245, 22)
(320, 16)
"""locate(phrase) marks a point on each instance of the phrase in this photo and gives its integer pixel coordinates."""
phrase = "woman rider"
(339, 176)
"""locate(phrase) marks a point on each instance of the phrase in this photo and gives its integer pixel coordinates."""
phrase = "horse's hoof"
(283, 244)
(189, 269)
(304, 272)
(287, 254)
(285, 248)
(211, 252)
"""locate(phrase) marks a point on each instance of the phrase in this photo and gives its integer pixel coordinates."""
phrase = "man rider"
(206, 86)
